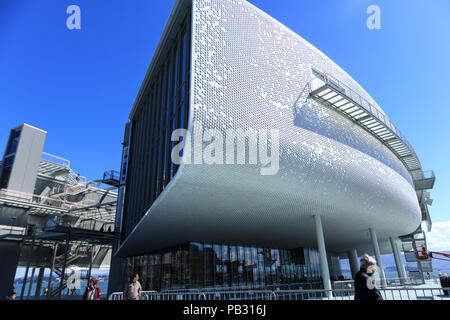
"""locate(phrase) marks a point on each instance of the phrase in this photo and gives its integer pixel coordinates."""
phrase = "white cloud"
(439, 237)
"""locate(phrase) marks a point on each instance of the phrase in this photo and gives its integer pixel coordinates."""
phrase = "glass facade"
(162, 108)
(205, 265)
(8, 159)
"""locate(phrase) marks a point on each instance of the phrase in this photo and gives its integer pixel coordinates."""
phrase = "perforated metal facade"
(250, 71)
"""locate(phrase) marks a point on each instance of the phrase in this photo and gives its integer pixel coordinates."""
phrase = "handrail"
(429, 174)
(66, 164)
(404, 293)
(55, 159)
(42, 200)
(111, 175)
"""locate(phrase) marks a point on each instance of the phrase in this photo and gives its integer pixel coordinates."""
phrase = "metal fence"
(335, 294)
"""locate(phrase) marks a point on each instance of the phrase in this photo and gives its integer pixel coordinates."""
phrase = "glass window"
(175, 97)
(241, 265)
(197, 265)
(261, 267)
(154, 272)
(248, 268)
(185, 267)
(166, 270)
(254, 266)
(267, 267)
(166, 143)
(160, 171)
(286, 267)
(226, 266)
(4, 175)
(209, 265)
(175, 268)
(219, 270)
(13, 143)
(276, 270)
(234, 265)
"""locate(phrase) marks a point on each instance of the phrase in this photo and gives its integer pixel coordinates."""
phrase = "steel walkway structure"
(77, 214)
(335, 94)
(331, 92)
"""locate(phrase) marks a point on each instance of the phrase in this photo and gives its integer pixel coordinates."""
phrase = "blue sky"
(80, 85)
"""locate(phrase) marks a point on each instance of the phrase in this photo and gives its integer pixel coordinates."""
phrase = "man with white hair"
(445, 283)
(365, 288)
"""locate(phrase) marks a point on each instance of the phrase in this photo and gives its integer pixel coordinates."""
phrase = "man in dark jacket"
(365, 288)
(445, 283)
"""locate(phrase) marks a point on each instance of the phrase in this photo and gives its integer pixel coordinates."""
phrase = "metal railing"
(335, 294)
(207, 295)
(72, 177)
(23, 197)
(429, 174)
(111, 175)
(274, 287)
(56, 160)
(95, 225)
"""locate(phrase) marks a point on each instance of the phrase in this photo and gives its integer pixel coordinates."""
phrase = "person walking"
(365, 288)
(12, 296)
(92, 291)
(133, 289)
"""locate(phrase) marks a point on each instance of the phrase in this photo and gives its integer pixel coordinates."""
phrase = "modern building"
(348, 181)
(50, 217)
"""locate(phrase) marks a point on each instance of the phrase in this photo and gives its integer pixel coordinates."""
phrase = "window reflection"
(201, 265)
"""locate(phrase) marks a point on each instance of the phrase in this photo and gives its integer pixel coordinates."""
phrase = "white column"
(353, 260)
(398, 260)
(324, 271)
(376, 249)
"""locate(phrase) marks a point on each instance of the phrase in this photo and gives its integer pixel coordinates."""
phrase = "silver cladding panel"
(27, 158)
(248, 71)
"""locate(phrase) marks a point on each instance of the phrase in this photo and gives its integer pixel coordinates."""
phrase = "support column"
(419, 264)
(63, 272)
(324, 271)
(91, 253)
(376, 249)
(49, 287)
(27, 269)
(31, 282)
(398, 260)
(353, 260)
(37, 293)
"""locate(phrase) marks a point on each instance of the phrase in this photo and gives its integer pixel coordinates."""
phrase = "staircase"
(55, 290)
(57, 167)
(99, 254)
